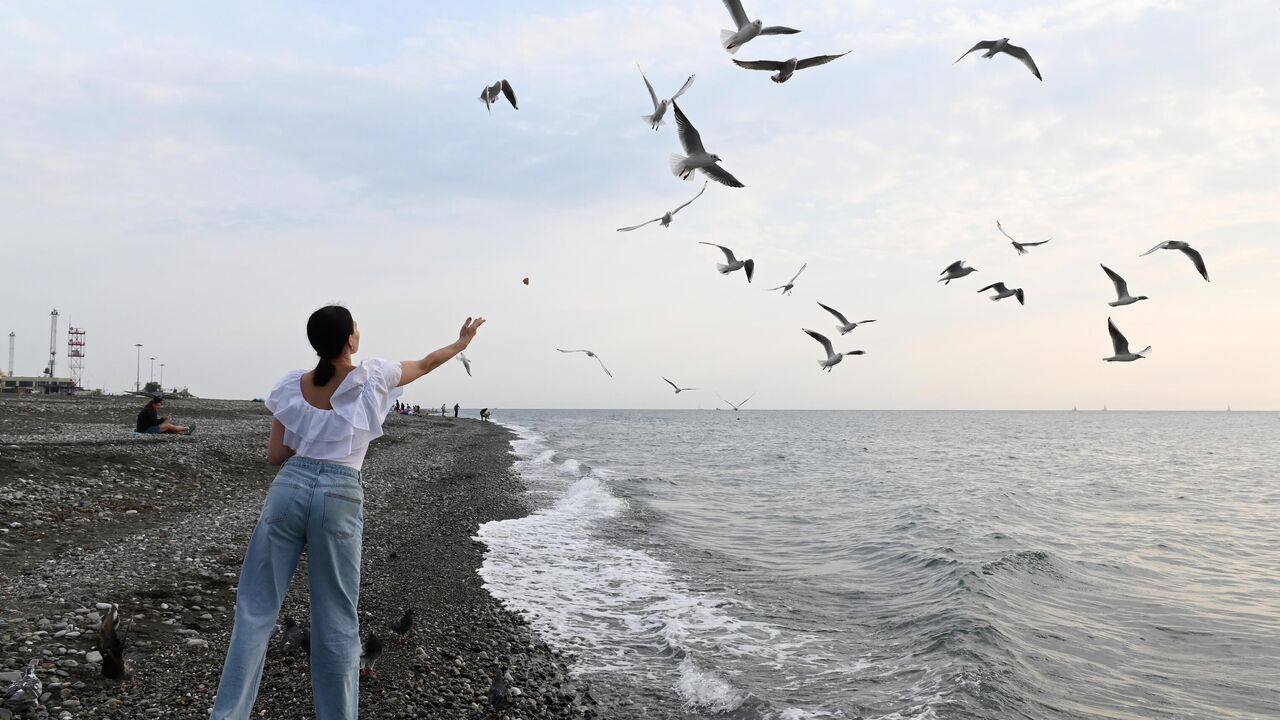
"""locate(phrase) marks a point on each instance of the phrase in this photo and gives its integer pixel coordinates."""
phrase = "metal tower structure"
(75, 354)
(11, 337)
(53, 341)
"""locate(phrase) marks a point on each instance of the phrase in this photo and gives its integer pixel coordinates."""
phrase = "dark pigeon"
(499, 692)
(23, 696)
(403, 626)
(369, 655)
(291, 637)
(112, 645)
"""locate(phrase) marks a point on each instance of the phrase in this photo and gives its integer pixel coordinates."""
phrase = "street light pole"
(137, 376)
(162, 376)
(153, 370)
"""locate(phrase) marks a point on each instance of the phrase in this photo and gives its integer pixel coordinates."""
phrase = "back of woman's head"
(329, 329)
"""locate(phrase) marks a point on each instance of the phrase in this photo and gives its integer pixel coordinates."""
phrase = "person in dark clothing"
(150, 420)
(455, 409)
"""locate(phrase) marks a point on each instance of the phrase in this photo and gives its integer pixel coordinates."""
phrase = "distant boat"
(1075, 409)
(1228, 408)
(1104, 408)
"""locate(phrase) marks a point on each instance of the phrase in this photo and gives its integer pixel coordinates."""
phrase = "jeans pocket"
(278, 503)
(344, 514)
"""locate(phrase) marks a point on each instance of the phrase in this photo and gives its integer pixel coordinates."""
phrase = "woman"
(323, 423)
(151, 422)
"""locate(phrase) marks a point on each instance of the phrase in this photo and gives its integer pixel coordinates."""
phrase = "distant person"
(151, 422)
(443, 411)
(485, 414)
(456, 407)
(324, 420)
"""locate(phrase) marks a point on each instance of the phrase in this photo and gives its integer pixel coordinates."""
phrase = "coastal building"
(36, 385)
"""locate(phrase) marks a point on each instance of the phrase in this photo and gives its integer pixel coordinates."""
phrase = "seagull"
(748, 29)
(590, 355)
(660, 106)
(666, 217)
(1122, 289)
(1121, 346)
(698, 157)
(677, 387)
(1002, 45)
(845, 325)
(23, 695)
(833, 357)
(499, 692)
(112, 646)
(784, 69)
(1020, 247)
(739, 405)
(955, 271)
(490, 94)
(403, 626)
(1003, 292)
(290, 637)
(462, 358)
(786, 288)
(369, 654)
(734, 263)
(1186, 250)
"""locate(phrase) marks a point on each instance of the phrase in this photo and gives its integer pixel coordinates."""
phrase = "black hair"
(328, 329)
(156, 400)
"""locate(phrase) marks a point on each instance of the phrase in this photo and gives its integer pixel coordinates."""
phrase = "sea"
(894, 565)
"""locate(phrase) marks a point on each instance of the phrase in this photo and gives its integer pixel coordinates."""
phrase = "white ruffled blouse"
(341, 435)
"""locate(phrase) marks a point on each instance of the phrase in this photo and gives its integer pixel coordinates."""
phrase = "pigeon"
(677, 387)
(23, 696)
(666, 217)
(290, 637)
(698, 158)
(306, 643)
(784, 69)
(845, 325)
(499, 691)
(369, 654)
(739, 405)
(490, 94)
(955, 271)
(1121, 346)
(660, 106)
(1002, 45)
(590, 355)
(747, 29)
(786, 287)
(1020, 247)
(1186, 250)
(462, 358)
(403, 626)
(1122, 289)
(112, 645)
(833, 358)
(733, 264)
(1003, 292)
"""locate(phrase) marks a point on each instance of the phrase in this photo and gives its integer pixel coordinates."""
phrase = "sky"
(199, 179)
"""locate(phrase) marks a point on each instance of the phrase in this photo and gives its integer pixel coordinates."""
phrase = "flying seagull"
(1186, 250)
(955, 271)
(403, 626)
(748, 265)
(677, 387)
(786, 287)
(739, 405)
(833, 357)
(1122, 289)
(1020, 247)
(112, 645)
(462, 358)
(666, 218)
(1121, 346)
(590, 355)
(747, 29)
(490, 94)
(1003, 292)
(845, 325)
(369, 654)
(660, 106)
(1002, 46)
(698, 158)
(784, 69)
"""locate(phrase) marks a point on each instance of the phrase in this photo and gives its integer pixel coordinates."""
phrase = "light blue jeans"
(319, 506)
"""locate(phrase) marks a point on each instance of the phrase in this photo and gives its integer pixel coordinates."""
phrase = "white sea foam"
(705, 690)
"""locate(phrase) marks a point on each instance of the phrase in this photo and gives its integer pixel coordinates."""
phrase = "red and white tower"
(75, 354)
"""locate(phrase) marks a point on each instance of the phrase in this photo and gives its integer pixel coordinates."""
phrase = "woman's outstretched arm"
(411, 370)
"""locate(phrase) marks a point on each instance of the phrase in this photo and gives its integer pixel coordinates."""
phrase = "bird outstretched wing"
(802, 267)
(652, 95)
(1158, 247)
(984, 45)
(695, 197)
(826, 344)
(952, 267)
(1025, 57)
(683, 87)
(1197, 261)
(1118, 341)
(510, 93)
(727, 252)
(736, 12)
(1122, 287)
(720, 175)
(998, 287)
(777, 30)
(818, 60)
(769, 65)
(690, 140)
(835, 312)
(636, 227)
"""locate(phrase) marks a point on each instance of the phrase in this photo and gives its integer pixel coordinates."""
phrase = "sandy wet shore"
(90, 514)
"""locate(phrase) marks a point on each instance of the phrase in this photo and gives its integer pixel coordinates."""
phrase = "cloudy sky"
(199, 179)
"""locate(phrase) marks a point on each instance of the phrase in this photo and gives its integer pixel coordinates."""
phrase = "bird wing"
(720, 175)
(1118, 341)
(635, 227)
(652, 95)
(572, 351)
(1158, 247)
(683, 87)
(510, 93)
(778, 30)
(1025, 57)
(689, 137)
(984, 45)
(998, 225)
(602, 367)
(826, 344)
(1197, 260)
(736, 12)
(695, 197)
(835, 312)
(770, 65)
(466, 364)
(774, 288)
(1122, 287)
(802, 267)
(818, 60)
(1034, 243)
(727, 252)
(952, 267)
(677, 387)
(998, 287)
(749, 267)
(744, 402)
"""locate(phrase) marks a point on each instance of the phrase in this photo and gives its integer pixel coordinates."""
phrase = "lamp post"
(153, 371)
(137, 372)
(162, 376)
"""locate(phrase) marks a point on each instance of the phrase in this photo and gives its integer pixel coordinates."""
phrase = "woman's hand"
(468, 331)
(411, 370)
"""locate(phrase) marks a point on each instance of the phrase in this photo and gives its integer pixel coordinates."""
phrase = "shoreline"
(159, 525)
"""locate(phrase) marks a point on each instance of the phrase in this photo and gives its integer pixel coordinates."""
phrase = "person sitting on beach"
(151, 422)
(323, 422)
